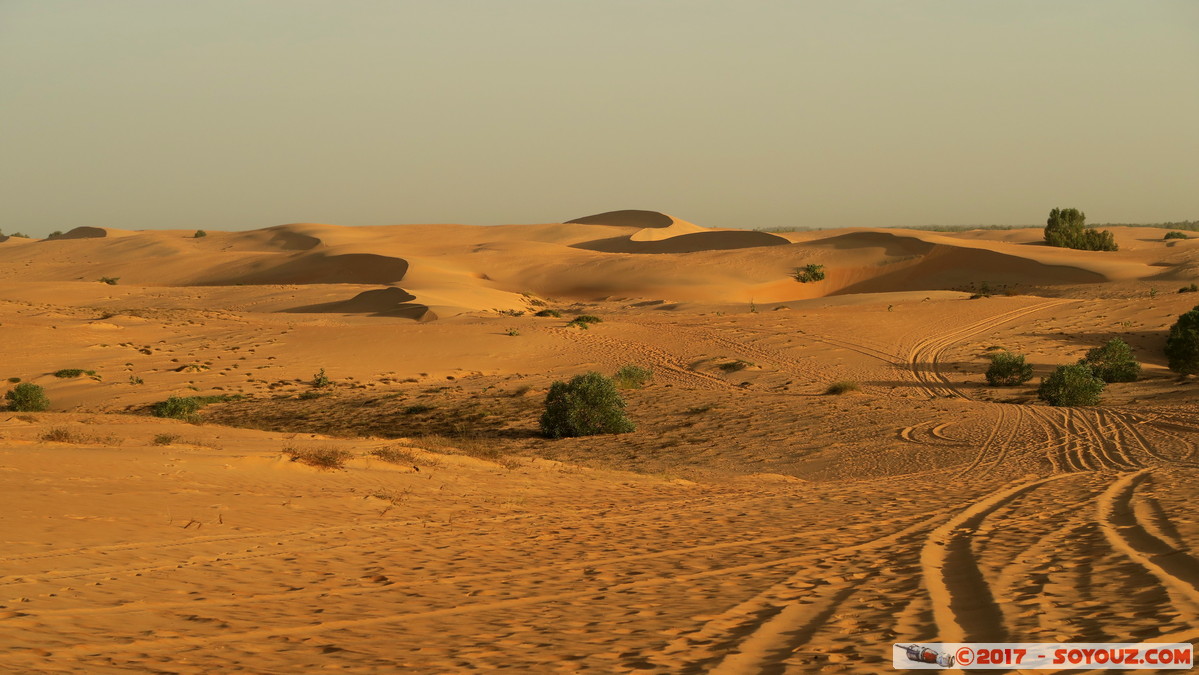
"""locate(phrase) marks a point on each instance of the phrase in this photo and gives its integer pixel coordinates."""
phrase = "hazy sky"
(238, 114)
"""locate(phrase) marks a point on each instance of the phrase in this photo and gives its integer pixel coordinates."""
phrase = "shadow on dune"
(627, 218)
(318, 268)
(685, 243)
(392, 302)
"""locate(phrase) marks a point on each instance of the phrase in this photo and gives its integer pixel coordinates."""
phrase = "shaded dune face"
(685, 243)
(84, 233)
(627, 218)
(393, 301)
(321, 268)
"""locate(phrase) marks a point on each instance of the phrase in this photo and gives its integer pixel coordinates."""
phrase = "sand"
(751, 524)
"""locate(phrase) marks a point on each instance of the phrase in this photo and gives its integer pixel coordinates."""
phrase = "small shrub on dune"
(177, 407)
(321, 458)
(200, 234)
(584, 321)
(1175, 235)
(320, 380)
(632, 377)
(808, 274)
(1113, 362)
(1008, 370)
(27, 397)
(587, 405)
(1182, 344)
(1193, 288)
(1070, 386)
(842, 387)
(74, 372)
(549, 312)
(165, 439)
(111, 281)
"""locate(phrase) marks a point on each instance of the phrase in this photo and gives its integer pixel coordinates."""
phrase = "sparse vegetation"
(55, 233)
(14, 380)
(74, 372)
(417, 409)
(136, 379)
(27, 397)
(322, 458)
(841, 387)
(632, 377)
(199, 234)
(1182, 344)
(1193, 288)
(60, 435)
(587, 318)
(1070, 386)
(1067, 228)
(1175, 235)
(587, 405)
(177, 407)
(320, 380)
(549, 312)
(809, 273)
(111, 281)
(402, 456)
(165, 439)
(1113, 362)
(311, 394)
(1008, 369)
(734, 366)
(512, 332)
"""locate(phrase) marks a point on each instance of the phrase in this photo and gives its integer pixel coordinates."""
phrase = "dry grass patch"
(76, 437)
(322, 458)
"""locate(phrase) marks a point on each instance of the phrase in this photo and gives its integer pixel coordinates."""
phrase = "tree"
(1008, 369)
(1182, 344)
(1071, 385)
(587, 405)
(1066, 228)
(27, 397)
(1113, 362)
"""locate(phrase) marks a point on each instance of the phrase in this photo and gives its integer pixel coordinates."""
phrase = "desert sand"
(751, 523)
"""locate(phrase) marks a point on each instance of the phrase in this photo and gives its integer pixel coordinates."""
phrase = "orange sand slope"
(751, 524)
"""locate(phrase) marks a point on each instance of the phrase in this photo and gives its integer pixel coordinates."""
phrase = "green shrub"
(632, 377)
(1008, 369)
(165, 439)
(178, 407)
(587, 405)
(55, 233)
(586, 318)
(1113, 362)
(1193, 288)
(74, 372)
(199, 234)
(549, 312)
(808, 273)
(734, 366)
(1182, 344)
(1175, 235)
(1071, 385)
(27, 397)
(842, 387)
(320, 380)
(512, 332)
(111, 281)
(1067, 228)
(14, 380)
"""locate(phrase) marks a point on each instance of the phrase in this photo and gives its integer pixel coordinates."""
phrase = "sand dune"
(753, 523)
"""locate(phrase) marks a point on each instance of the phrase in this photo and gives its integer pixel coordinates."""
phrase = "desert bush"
(322, 458)
(842, 387)
(55, 233)
(74, 372)
(1067, 228)
(1175, 235)
(165, 439)
(111, 281)
(417, 409)
(1182, 344)
(587, 405)
(27, 397)
(549, 312)
(320, 380)
(311, 394)
(1008, 369)
(178, 407)
(199, 234)
(632, 377)
(1193, 288)
(512, 332)
(1113, 362)
(808, 273)
(1071, 385)
(14, 380)
(60, 435)
(586, 318)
